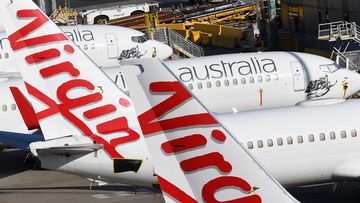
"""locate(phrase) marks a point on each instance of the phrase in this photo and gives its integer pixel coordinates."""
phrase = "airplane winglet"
(193, 153)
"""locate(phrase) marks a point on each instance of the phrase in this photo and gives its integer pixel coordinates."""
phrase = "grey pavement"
(20, 184)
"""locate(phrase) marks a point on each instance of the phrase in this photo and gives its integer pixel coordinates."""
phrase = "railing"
(344, 31)
(348, 60)
(353, 58)
(341, 29)
(177, 42)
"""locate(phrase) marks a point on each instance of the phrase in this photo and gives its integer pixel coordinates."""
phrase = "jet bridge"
(349, 32)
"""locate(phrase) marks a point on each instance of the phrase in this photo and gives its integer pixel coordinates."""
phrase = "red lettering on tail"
(16, 39)
(214, 159)
(99, 111)
(42, 56)
(183, 144)
(180, 96)
(25, 108)
(217, 184)
(174, 191)
(65, 67)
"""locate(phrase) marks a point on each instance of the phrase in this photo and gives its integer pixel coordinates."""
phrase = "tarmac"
(19, 183)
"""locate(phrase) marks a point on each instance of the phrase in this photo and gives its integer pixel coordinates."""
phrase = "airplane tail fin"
(196, 158)
(69, 93)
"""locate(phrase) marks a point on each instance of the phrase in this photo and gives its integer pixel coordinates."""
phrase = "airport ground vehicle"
(102, 15)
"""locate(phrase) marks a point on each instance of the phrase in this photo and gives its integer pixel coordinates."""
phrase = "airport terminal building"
(304, 16)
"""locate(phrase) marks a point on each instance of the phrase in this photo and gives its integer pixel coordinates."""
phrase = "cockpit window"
(139, 39)
(330, 68)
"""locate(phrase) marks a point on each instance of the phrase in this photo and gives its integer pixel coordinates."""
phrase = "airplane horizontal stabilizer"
(17, 140)
(72, 149)
(195, 157)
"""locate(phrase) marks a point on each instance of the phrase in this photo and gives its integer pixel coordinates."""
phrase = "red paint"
(183, 144)
(25, 108)
(115, 125)
(17, 40)
(42, 56)
(118, 125)
(124, 102)
(174, 191)
(214, 159)
(210, 188)
(52, 106)
(180, 96)
(218, 136)
(69, 49)
(99, 111)
(65, 67)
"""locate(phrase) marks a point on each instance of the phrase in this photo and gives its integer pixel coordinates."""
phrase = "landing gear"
(33, 161)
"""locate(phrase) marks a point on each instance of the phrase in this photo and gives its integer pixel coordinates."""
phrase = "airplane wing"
(71, 96)
(349, 170)
(320, 102)
(196, 158)
(20, 141)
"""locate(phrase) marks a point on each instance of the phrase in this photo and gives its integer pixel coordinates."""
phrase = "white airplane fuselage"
(103, 43)
(268, 79)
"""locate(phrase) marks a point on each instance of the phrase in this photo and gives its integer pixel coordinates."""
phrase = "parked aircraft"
(90, 127)
(269, 79)
(195, 158)
(107, 44)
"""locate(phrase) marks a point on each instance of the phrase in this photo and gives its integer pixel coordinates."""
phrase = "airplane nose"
(160, 50)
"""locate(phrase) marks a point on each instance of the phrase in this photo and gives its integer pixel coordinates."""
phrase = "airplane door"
(298, 76)
(112, 46)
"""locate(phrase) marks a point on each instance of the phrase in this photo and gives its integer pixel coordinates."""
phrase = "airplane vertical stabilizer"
(196, 159)
(70, 94)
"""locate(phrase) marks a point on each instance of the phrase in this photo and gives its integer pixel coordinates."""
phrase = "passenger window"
(289, 140)
(260, 144)
(267, 78)
(270, 143)
(251, 80)
(259, 79)
(311, 138)
(332, 135)
(250, 145)
(218, 83)
(199, 85)
(13, 107)
(243, 81)
(343, 134)
(190, 86)
(353, 133)
(322, 136)
(300, 139)
(208, 84)
(6, 55)
(226, 82)
(280, 141)
(276, 77)
(4, 108)
(235, 82)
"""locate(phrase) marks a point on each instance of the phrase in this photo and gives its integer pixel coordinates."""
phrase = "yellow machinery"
(151, 21)
(64, 16)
